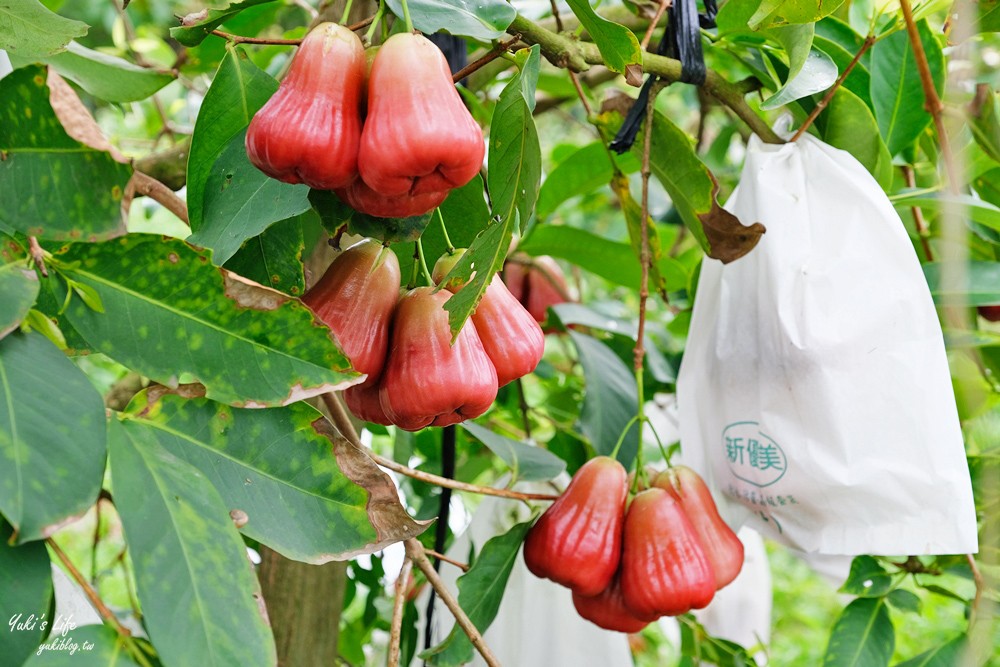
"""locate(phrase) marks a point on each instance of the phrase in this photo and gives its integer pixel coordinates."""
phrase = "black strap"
(454, 50)
(441, 529)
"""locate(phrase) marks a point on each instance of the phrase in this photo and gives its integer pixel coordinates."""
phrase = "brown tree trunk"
(304, 603)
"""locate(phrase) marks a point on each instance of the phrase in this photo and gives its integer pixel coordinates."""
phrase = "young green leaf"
(867, 578)
(196, 27)
(18, 292)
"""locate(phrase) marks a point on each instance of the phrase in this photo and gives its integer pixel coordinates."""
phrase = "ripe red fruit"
(721, 545)
(362, 198)
(607, 610)
(664, 570)
(309, 131)
(355, 298)
(511, 337)
(537, 282)
(427, 380)
(577, 542)
(990, 313)
(363, 402)
(418, 136)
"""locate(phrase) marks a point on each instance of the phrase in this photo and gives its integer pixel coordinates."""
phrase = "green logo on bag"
(753, 456)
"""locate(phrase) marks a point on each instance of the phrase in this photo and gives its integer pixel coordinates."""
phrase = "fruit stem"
(347, 12)
(406, 16)
(659, 443)
(444, 230)
(416, 267)
(621, 438)
(375, 22)
(423, 263)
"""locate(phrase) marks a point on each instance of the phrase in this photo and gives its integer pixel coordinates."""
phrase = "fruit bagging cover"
(814, 393)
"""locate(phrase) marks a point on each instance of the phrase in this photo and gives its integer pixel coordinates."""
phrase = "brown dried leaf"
(76, 119)
(728, 238)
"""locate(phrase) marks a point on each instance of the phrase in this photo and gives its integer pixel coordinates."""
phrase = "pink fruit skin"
(310, 130)
(577, 542)
(355, 298)
(511, 337)
(428, 381)
(538, 286)
(418, 136)
(364, 404)
(607, 610)
(362, 198)
(664, 570)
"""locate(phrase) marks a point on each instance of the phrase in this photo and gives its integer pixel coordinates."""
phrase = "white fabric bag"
(814, 392)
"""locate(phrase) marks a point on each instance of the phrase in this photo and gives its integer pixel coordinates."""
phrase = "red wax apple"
(664, 570)
(427, 380)
(537, 282)
(355, 298)
(363, 402)
(511, 337)
(418, 136)
(310, 130)
(577, 542)
(607, 610)
(362, 198)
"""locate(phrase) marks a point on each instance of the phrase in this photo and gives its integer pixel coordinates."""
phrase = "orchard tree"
(206, 218)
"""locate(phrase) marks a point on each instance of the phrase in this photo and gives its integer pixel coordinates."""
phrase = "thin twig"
(37, 255)
(977, 577)
(342, 421)
(240, 39)
(399, 603)
(441, 557)
(522, 403)
(497, 51)
(918, 215)
(579, 92)
(639, 351)
(652, 24)
(555, 15)
(415, 551)
(144, 184)
(869, 40)
(97, 538)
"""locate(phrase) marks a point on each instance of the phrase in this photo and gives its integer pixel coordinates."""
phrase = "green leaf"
(867, 578)
(610, 400)
(18, 292)
(26, 582)
(169, 312)
(52, 443)
(964, 283)
(102, 75)
(515, 159)
(949, 654)
(896, 91)
(989, 15)
(29, 30)
(580, 173)
(970, 208)
(693, 190)
(196, 27)
(528, 462)
(480, 591)
(772, 13)
(479, 19)
(335, 503)
(905, 600)
(201, 603)
(848, 124)
(274, 257)
(96, 646)
(239, 89)
(52, 186)
(809, 70)
(241, 201)
(863, 636)
(986, 126)
(617, 44)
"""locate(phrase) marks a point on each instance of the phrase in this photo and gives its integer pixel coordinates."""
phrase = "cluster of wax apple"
(417, 376)
(665, 554)
(386, 131)
(537, 283)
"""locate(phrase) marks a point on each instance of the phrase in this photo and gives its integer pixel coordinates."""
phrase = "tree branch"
(146, 185)
(399, 603)
(564, 51)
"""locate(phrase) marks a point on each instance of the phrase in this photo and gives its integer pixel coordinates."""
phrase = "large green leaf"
(168, 312)
(102, 75)
(583, 171)
(863, 636)
(201, 602)
(26, 582)
(480, 591)
(867, 578)
(479, 19)
(52, 443)
(241, 201)
(335, 503)
(274, 257)
(783, 12)
(848, 124)
(96, 646)
(618, 45)
(948, 654)
(809, 70)
(610, 400)
(52, 186)
(527, 462)
(989, 15)
(970, 208)
(239, 89)
(858, 81)
(960, 283)
(196, 27)
(896, 91)
(30, 30)
(986, 126)
(18, 291)
(515, 159)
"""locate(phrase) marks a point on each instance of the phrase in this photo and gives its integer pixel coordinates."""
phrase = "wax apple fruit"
(355, 298)
(362, 198)
(427, 380)
(990, 313)
(577, 542)
(721, 545)
(607, 610)
(310, 130)
(664, 570)
(511, 337)
(418, 136)
(536, 282)
(363, 402)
